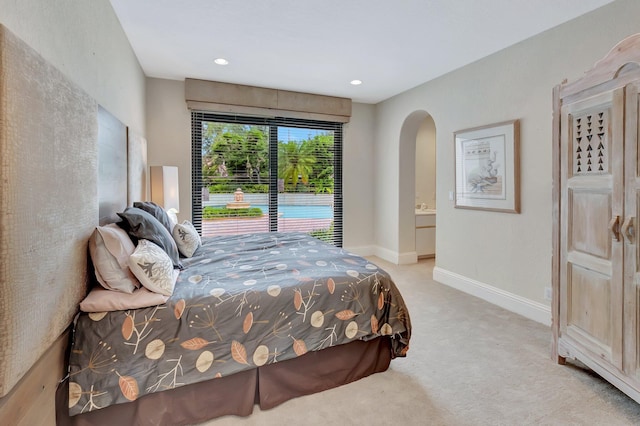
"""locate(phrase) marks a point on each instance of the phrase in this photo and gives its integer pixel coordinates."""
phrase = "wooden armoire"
(596, 176)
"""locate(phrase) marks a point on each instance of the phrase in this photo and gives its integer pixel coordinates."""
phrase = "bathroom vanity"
(425, 233)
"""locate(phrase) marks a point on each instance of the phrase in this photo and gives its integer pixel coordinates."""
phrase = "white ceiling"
(319, 46)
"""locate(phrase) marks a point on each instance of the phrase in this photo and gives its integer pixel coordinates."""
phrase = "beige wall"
(169, 143)
(511, 252)
(85, 41)
(358, 175)
(426, 164)
(169, 134)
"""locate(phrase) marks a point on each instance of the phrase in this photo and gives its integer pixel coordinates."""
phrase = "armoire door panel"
(590, 304)
(592, 211)
(630, 234)
(589, 217)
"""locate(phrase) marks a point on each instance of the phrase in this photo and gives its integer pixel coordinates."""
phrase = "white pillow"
(110, 248)
(153, 267)
(187, 238)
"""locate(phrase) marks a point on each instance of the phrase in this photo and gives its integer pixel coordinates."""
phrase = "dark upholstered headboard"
(48, 203)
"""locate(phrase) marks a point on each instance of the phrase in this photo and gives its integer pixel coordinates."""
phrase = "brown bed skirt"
(268, 386)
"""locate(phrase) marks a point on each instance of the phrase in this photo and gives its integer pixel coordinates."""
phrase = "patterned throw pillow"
(187, 238)
(153, 268)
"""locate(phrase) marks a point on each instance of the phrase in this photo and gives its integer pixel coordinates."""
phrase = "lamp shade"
(164, 187)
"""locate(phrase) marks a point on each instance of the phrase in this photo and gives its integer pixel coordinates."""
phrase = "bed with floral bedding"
(242, 303)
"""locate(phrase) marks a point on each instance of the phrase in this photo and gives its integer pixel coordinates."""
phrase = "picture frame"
(487, 167)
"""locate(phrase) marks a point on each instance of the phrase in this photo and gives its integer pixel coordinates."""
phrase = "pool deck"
(232, 226)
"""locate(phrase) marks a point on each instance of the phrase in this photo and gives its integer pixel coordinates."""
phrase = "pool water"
(289, 211)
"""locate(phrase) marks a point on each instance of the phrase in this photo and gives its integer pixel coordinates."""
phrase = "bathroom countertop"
(425, 211)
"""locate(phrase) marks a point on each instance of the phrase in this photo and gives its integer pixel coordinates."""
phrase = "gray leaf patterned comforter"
(243, 301)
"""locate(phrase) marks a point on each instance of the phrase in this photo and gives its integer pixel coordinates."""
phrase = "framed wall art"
(487, 168)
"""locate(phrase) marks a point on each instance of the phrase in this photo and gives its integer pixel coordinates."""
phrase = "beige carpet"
(470, 363)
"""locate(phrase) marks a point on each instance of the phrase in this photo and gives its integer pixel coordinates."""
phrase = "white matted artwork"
(137, 167)
(487, 167)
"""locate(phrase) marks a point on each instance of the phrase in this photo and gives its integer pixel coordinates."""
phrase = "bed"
(277, 315)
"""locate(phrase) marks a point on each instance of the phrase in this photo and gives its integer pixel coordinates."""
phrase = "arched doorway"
(416, 136)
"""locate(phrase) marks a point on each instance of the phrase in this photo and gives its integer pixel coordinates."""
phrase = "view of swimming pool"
(290, 211)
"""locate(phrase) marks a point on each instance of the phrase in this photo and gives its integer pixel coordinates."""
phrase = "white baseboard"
(395, 257)
(407, 258)
(509, 301)
(386, 254)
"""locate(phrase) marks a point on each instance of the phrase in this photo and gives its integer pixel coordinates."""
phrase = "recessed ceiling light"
(356, 82)
(221, 61)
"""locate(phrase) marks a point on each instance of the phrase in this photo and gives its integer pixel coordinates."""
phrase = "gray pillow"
(142, 225)
(156, 211)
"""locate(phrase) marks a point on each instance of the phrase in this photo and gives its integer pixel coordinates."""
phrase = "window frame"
(197, 117)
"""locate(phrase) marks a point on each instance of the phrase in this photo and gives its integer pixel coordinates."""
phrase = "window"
(253, 174)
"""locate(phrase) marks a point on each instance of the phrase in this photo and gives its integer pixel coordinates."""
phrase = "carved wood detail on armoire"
(596, 197)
